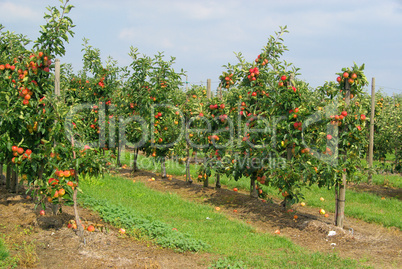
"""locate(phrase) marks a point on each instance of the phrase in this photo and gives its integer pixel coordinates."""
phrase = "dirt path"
(46, 242)
(50, 244)
(381, 247)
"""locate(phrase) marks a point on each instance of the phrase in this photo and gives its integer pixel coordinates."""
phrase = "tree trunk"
(253, 189)
(188, 175)
(135, 164)
(340, 217)
(8, 176)
(336, 201)
(14, 182)
(340, 203)
(2, 177)
(206, 182)
(218, 181)
(118, 155)
(163, 164)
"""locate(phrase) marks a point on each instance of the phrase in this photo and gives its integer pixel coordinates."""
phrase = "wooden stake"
(371, 138)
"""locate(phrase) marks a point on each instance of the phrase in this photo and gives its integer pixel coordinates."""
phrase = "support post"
(371, 138)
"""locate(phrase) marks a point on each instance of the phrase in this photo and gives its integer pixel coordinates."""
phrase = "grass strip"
(228, 238)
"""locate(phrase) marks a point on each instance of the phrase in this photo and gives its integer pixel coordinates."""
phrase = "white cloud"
(14, 12)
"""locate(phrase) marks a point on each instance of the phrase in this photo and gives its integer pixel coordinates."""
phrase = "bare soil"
(46, 242)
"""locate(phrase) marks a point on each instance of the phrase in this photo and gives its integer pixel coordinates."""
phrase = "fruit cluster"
(226, 80)
(350, 76)
(261, 60)
(253, 74)
(337, 119)
(20, 152)
(56, 187)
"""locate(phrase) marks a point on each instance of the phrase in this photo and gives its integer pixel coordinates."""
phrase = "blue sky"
(323, 37)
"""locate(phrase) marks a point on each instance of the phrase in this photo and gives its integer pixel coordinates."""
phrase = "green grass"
(362, 205)
(235, 240)
(388, 180)
(6, 261)
(3, 251)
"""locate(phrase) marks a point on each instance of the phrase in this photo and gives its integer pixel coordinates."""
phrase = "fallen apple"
(322, 211)
(217, 208)
(122, 231)
(302, 203)
(91, 228)
(322, 199)
(326, 215)
(277, 232)
(42, 212)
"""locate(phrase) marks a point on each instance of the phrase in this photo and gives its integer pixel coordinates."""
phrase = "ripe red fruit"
(235, 189)
(222, 106)
(20, 150)
(354, 76)
(201, 114)
(351, 81)
(296, 109)
(14, 148)
(344, 113)
(53, 181)
(62, 192)
(42, 212)
(254, 94)
(91, 228)
(280, 84)
(345, 74)
(339, 79)
(329, 137)
(283, 77)
(363, 117)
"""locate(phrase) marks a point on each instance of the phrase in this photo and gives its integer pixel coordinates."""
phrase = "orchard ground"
(46, 242)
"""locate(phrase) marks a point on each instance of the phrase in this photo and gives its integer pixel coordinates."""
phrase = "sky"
(324, 36)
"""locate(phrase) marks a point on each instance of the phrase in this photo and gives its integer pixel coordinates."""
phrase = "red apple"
(91, 228)
(42, 212)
